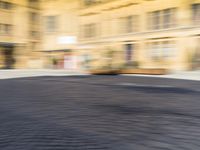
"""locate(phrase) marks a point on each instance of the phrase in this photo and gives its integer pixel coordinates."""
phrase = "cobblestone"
(99, 113)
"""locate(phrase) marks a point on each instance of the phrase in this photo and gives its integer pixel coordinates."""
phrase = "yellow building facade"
(60, 31)
(98, 33)
(152, 33)
(19, 34)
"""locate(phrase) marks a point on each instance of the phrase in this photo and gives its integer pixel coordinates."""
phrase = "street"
(99, 113)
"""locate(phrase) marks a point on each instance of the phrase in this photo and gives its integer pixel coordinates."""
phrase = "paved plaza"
(99, 113)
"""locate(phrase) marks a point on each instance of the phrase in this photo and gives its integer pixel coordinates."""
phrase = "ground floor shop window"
(161, 50)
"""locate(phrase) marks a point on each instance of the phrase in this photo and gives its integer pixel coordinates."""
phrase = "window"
(196, 14)
(5, 29)
(34, 17)
(169, 18)
(155, 51)
(34, 46)
(197, 54)
(168, 49)
(33, 3)
(34, 34)
(51, 23)
(161, 50)
(156, 20)
(129, 24)
(129, 52)
(166, 18)
(91, 2)
(90, 30)
(5, 5)
(162, 19)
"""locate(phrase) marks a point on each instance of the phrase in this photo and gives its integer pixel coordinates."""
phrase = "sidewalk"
(19, 73)
(186, 75)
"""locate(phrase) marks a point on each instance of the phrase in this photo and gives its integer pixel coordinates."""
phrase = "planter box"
(144, 71)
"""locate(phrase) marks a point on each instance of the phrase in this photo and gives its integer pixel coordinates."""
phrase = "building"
(60, 32)
(149, 33)
(100, 33)
(19, 34)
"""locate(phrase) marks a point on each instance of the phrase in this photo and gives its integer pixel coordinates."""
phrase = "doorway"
(129, 50)
(9, 59)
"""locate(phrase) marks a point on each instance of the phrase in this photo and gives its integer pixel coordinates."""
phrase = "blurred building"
(60, 32)
(146, 33)
(100, 33)
(19, 34)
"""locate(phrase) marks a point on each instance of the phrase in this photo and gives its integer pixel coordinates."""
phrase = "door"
(9, 59)
(129, 48)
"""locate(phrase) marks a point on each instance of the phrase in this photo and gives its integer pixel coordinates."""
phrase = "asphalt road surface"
(99, 113)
